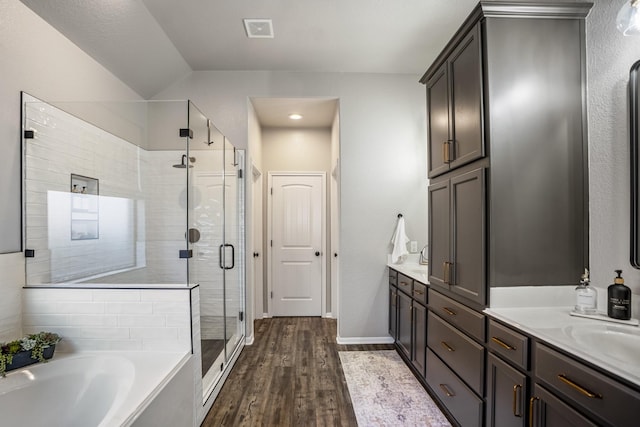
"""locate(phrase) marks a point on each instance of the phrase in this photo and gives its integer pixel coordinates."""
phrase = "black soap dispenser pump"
(619, 299)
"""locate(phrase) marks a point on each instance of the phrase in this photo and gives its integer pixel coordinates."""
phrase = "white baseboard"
(364, 340)
(328, 316)
(249, 340)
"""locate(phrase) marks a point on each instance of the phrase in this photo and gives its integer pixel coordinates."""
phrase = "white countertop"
(412, 268)
(576, 335)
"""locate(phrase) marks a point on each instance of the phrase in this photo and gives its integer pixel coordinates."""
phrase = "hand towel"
(399, 242)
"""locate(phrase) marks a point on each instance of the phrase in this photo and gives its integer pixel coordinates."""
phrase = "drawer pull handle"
(404, 284)
(531, 404)
(418, 292)
(516, 400)
(449, 311)
(446, 390)
(578, 387)
(502, 343)
(447, 346)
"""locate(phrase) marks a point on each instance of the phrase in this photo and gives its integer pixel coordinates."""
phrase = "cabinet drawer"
(463, 355)
(457, 314)
(461, 402)
(393, 277)
(405, 284)
(420, 292)
(594, 393)
(510, 344)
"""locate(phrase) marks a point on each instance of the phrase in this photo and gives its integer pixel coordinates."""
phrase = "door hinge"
(271, 294)
(271, 243)
(222, 367)
(239, 173)
(241, 316)
(271, 191)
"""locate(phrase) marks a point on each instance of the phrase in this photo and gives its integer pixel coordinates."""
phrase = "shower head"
(183, 163)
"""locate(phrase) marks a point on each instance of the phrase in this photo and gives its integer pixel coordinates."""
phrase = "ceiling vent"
(258, 28)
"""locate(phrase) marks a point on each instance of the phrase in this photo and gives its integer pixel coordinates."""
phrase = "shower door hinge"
(29, 134)
(29, 253)
(241, 316)
(239, 173)
(188, 253)
(185, 132)
(222, 367)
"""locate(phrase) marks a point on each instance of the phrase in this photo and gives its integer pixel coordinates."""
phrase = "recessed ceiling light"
(258, 28)
(295, 116)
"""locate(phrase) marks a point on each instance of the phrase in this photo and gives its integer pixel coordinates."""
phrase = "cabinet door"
(468, 227)
(439, 233)
(419, 337)
(549, 411)
(393, 312)
(465, 77)
(438, 116)
(506, 395)
(404, 324)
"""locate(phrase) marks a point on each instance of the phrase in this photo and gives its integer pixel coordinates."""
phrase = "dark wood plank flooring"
(290, 376)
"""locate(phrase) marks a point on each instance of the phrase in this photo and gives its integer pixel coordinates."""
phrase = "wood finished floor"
(290, 376)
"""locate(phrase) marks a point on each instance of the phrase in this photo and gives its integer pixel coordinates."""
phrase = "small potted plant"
(27, 350)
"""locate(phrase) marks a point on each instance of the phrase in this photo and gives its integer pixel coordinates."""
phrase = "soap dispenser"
(586, 296)
(619, 299)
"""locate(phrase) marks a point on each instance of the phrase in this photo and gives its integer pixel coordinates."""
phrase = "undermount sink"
(617, 342)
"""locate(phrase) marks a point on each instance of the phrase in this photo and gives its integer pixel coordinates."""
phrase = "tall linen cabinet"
(508, 193)
(507, 151)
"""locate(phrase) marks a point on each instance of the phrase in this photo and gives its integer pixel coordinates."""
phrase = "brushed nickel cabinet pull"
(578, 387)
(404, 284)
(447, 346)
(531, 404)
(415, 291)
(446, 390)
(516, 400)
(502, 343)
(449, 311)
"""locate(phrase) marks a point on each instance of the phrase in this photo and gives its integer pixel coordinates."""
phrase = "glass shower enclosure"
(139, 195)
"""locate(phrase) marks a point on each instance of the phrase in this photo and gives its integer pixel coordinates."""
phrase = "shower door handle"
(233, 256)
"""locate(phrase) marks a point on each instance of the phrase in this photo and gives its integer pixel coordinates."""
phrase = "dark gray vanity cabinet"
(507, 395)
(408, 318)
(507, 378)
(405, 319)
(454, 108)
(457, 234)
(456, 357)
(393, 304)
(549, 411)
(597, 396)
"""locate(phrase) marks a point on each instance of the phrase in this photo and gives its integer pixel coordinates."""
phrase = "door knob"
(317, 253)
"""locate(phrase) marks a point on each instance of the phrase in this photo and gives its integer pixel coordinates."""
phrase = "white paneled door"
(297, 258)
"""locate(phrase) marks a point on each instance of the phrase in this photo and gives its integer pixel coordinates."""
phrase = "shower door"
(234, 247)
(216, 241)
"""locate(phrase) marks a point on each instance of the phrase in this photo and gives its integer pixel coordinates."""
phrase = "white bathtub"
(90, 389)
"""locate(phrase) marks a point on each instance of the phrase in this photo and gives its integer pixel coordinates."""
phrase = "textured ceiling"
(149, 44)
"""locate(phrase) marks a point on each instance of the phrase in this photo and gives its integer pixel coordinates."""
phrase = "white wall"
(34, 58)
(610, 56)
(383, 166)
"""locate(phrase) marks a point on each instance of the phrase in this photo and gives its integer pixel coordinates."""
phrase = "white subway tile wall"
(118, 319)
(141, 205)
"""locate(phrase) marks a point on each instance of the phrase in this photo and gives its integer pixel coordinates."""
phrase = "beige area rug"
(384, 392)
